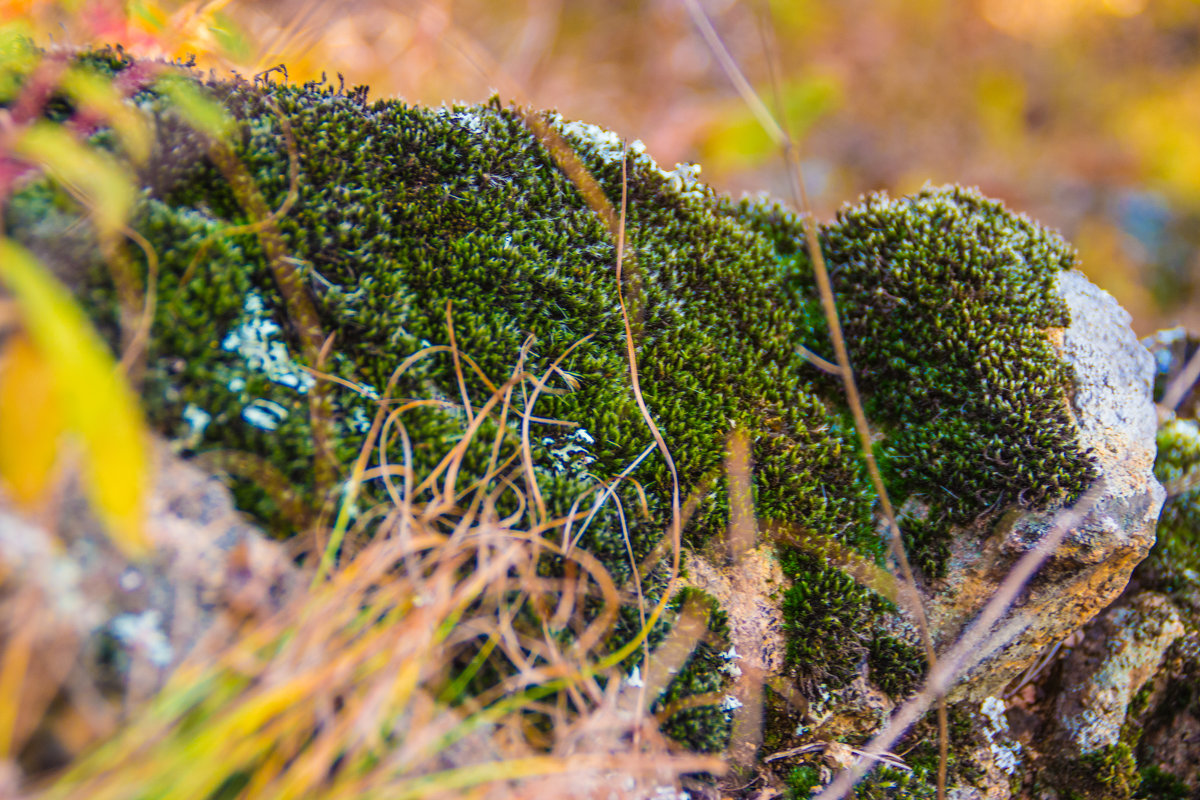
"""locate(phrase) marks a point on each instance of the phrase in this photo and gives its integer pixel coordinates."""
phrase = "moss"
(827, 620)
(1159, 785)
(1174, 563)
(706, 728)
(889, 783)
(1110, 773)
(405, 214)
(801, 782)
(947, 290)
(897, 667)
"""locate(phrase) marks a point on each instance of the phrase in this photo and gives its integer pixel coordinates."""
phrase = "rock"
(1111, 401)
(1122, 649)
(429, 238)
(108, 633)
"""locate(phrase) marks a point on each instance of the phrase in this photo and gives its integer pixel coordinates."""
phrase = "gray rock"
(1112, 404)
(108, 632)
(1123, 648)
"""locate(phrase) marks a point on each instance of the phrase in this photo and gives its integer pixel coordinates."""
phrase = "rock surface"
(107, 632)
(1116, 416)
(1122, 650)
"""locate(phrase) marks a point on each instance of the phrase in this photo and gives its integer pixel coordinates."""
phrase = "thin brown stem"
(777, 129)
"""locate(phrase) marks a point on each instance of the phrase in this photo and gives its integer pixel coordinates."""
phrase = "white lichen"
(143, 634)
(264, 414)
(1005, 752)
(257, 341)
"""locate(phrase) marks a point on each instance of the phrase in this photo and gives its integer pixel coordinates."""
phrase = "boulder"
(1112, 404)
(107, 633)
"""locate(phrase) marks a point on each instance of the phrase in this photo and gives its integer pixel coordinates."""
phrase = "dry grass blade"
(747, 733)
(1182, 383)
(910, 598)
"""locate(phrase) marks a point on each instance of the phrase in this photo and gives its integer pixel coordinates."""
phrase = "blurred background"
(1083, 113)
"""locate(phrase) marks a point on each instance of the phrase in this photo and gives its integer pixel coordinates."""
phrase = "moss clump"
(1174, 563)
(946, 290)
(705, 728)
(889, 783)
(1112, 772)
(406, 216)
(896, 666)
(801, 782)
(1159, 785)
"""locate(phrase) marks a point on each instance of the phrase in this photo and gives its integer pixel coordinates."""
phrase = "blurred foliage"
(63, 400)
(1084, 113)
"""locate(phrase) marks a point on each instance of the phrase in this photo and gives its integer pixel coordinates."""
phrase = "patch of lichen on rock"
(407, 216)
(1156, 754)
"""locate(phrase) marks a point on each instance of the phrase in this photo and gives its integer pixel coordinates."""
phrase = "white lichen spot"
(359, 423)
(469, 119)
(264, 414)
(131, 579)
(729, 667)
(634, 678)
(569, 454)
(143, 633)
(607, 144)
(730, 703)
(685, 180)
(256, 341)
(993, 708)
(669, 793)
(197, 420)
(1004, 751)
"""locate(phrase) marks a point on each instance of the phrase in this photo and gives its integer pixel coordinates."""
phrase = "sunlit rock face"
(441, 260)
(1111, 403)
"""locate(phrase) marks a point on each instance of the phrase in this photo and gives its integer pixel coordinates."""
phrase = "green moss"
(827, 617)
(897, 667)
(404, 214)
(1174, 563)
(801, 782)
(946, 290)
(889, 783)
(1110, 773)
(1159, 785)
(707, 728)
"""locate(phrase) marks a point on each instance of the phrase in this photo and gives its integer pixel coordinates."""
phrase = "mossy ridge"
(403, 210)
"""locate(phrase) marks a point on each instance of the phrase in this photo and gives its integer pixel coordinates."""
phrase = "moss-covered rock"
(447, 261)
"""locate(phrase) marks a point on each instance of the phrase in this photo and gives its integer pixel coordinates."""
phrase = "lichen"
(409, 220)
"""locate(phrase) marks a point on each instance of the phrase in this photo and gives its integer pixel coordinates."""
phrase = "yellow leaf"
(97, 405)
(30, 420)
